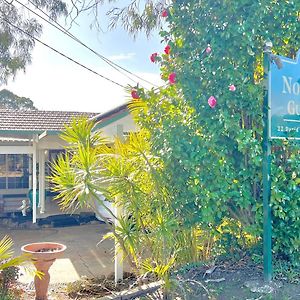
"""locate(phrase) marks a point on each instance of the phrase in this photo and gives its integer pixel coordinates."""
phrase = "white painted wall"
(127, 123)
(54, 142)
(109, 131)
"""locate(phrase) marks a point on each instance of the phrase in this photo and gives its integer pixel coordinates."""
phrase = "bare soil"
(48, 250)
(240, 280)
(98, 287)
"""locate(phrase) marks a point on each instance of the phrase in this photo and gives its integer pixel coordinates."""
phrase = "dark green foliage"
(213, 156)
(285, 200)
(54, 8)
(7, 277)
(137, 16)
(9, 100)
(286, 271)
(15, 45)
(134, 16)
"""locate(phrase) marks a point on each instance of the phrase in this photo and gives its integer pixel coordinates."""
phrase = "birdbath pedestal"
(43, 256)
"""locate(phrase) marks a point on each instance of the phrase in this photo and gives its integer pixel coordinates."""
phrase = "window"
(53, 156)
(2, 171)
(14, 171)
(2, 182)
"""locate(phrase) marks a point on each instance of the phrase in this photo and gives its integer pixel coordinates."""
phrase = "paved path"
(82, 257)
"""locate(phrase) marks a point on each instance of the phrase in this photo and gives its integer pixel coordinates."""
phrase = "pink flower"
(167, 49)
(232, 88)
(212, 101)
(153, 57)
(134, 94)
(164, 13)
(172, 78)
(208, 49)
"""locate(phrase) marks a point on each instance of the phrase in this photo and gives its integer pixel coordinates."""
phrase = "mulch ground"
(85, 289)
(242, 280)
(226, 280)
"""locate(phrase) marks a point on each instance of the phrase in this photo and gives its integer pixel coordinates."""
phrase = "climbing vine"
(206, 123)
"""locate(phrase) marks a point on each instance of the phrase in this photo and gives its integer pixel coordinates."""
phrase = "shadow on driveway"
(82, 258)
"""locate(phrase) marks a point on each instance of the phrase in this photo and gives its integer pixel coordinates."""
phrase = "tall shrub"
(148, 231)
(207, 124)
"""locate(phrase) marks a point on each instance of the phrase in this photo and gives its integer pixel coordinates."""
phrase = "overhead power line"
(60, 53)
(62, 29)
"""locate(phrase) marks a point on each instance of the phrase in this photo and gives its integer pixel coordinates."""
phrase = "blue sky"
(54, 83)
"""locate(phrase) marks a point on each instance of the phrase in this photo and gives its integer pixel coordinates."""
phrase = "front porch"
(29, 142)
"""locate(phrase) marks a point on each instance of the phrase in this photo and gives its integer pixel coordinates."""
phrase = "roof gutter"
(110, 114)
(44, 134)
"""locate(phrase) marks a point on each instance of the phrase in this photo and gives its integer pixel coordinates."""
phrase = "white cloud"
(122, 56)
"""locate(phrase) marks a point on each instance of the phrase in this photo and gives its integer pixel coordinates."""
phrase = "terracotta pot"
(43, 256)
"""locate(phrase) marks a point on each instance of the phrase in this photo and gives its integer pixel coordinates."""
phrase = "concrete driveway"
(82, 258)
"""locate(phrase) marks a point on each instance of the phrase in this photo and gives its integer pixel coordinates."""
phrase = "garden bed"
(102, 288)
(242, 280)
(227, 280)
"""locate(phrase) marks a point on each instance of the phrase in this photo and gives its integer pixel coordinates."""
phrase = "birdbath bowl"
(43, 256)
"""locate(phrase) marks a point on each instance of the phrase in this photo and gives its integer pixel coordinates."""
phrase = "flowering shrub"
(172, 78)
(213, 157)
(208, 50)
(134, 94)
(168, 49)
(232, 88)
(153, 57)
(212, 101)
(164, 14)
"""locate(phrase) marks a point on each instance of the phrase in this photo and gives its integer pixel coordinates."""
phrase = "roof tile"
(38, 120)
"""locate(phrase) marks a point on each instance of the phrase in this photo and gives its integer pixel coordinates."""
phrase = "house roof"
(111, 115)
(38, 121)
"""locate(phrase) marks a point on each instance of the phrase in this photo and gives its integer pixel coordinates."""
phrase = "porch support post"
(42, 181)
(30, 170)
(34, 183)
(118, 213)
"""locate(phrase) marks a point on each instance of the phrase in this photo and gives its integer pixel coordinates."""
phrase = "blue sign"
(284, 99)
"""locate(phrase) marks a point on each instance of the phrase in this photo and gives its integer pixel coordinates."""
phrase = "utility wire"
(69, 34)
(63, 30)
(60, 53)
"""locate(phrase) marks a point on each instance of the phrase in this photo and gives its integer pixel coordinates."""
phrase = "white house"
(29, 140)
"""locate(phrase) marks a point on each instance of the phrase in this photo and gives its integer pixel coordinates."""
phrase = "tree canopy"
(18, 31)
(9, 100)
(134, 16)
(206, 125)
(15, 44)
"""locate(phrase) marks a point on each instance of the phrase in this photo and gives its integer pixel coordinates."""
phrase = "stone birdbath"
(43, 256)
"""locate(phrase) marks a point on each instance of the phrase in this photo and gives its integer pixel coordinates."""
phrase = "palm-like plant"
(129, 175)
(7, 261)
(6, 255)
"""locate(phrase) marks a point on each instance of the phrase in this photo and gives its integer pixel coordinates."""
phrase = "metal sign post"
(281, 116)
(267, 235)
